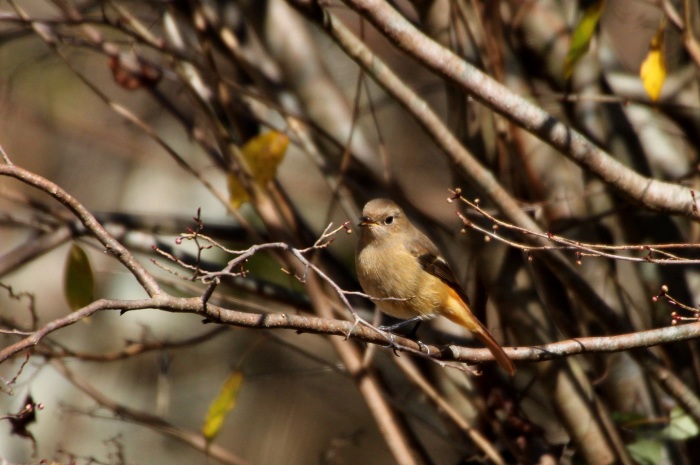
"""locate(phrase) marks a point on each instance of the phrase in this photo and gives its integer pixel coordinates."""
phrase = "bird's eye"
(388, 220)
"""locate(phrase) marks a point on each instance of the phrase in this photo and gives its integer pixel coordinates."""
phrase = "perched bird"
(402, 268)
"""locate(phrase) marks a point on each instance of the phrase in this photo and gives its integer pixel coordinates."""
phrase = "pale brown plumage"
(395, 260)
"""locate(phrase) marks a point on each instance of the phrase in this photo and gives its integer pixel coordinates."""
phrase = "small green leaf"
(681, 426)
(645, 451)
(222, 405)
(78, 280)
(581, 38)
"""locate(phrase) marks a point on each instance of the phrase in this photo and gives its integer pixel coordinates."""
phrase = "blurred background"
(251, 113)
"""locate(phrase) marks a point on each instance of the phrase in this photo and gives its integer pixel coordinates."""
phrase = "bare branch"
(582, 249)
(368, 334)
(651, 193)
(89, 221)
(191, 438)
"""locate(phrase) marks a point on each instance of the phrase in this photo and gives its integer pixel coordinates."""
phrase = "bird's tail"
(464, 317)
(498, 353)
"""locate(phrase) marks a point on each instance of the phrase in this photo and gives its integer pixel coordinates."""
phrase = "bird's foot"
(421, 346)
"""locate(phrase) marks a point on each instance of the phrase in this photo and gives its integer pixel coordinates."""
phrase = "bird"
(408, 278)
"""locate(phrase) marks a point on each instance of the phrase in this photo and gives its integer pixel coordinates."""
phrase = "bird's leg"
(414, 331)
(412, 334)
(403, 323)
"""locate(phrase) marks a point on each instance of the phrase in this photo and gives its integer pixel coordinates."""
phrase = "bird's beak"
(366, 221)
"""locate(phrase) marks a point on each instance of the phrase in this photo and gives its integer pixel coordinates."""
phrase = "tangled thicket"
(188, 157)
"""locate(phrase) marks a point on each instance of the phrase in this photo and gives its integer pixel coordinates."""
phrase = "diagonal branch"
(89, 221)
(651, 193)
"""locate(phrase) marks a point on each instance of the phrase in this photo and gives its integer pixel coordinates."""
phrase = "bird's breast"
(392, 273)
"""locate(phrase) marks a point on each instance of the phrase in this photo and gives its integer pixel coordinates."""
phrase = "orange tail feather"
(498, 353)
(457, 311)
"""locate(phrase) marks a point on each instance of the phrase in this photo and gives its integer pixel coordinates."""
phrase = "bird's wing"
(428, 255)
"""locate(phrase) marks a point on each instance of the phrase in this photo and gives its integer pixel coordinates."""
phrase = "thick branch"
(314, 325)
(650, 193)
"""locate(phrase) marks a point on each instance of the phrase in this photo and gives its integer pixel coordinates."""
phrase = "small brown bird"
(395, 260)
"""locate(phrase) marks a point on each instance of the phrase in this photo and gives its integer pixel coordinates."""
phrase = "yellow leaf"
(262, 154)
(653, 70)
(581, 38)
(222, 405)
(78, 280)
